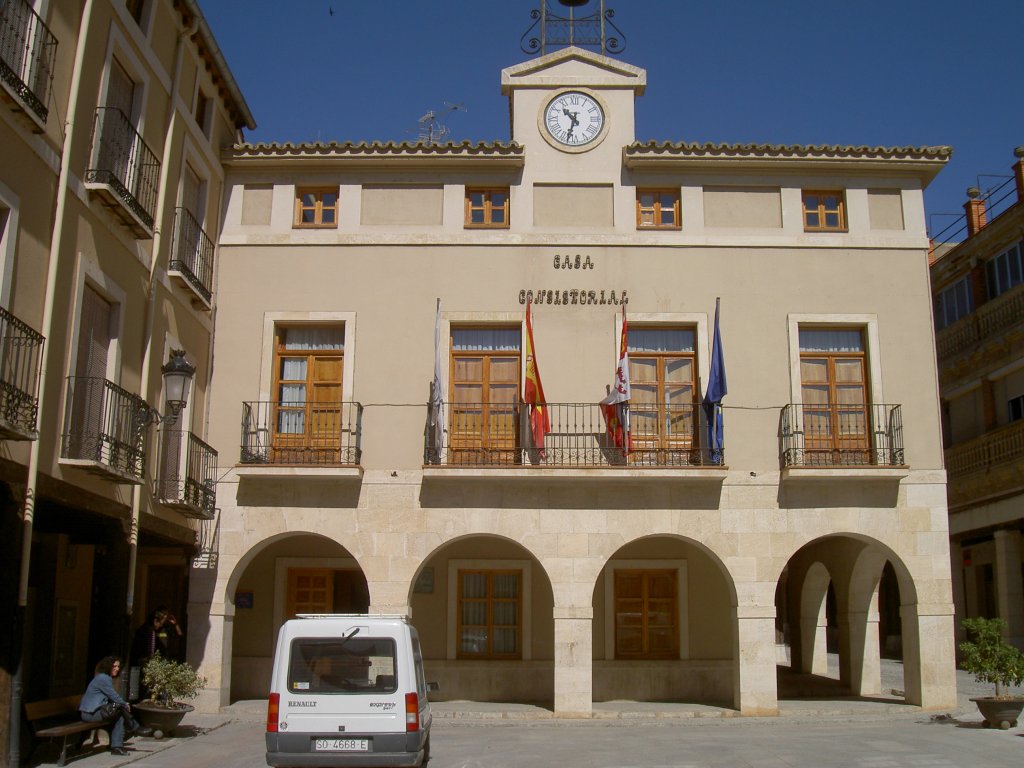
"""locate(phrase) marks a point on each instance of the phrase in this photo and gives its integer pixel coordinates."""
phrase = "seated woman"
(99, 694)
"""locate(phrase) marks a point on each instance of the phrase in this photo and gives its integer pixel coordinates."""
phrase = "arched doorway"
(835, 603)
(664, 624)
(292, 574)
(483, 607)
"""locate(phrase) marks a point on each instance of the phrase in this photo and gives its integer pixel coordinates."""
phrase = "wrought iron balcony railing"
(841, 435)
(21, 350)
(125, 165)
(27, 52)
(105, 427)
(326, 434)
(192, 254)
(1000, 446)
(481, 435)
(187, 479)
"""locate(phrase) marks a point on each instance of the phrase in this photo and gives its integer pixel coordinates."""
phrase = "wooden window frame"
(656, 209)
(318, 208)
(645, 574)
(667, 444)
(490, 600)
(283, 443)
(488, 442)
(821, 210)
(838, 442)
(488, 208)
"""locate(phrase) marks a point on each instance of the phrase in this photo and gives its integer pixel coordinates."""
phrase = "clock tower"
(573, 111)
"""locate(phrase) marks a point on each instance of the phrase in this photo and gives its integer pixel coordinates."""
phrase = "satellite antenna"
(432, 130)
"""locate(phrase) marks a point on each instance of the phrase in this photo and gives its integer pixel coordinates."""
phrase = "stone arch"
(300, 571)
(497, 659)
(813, 621)
(696, 669)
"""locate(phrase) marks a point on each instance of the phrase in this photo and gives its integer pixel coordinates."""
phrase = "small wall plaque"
(425, 582)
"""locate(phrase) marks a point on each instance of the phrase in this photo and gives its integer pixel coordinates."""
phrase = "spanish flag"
(533, 391)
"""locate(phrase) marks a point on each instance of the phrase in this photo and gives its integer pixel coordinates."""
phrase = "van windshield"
(339, 665)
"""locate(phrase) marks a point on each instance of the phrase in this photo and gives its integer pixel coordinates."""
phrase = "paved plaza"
(821, 732)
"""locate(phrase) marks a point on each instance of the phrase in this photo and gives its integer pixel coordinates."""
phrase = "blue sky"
(901, 72)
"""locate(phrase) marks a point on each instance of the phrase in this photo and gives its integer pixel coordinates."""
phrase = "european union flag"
(717, 389)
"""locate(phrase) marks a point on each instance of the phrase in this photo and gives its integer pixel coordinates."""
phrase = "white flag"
(437, 416)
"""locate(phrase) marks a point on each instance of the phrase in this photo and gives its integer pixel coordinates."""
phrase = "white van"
(348, 690)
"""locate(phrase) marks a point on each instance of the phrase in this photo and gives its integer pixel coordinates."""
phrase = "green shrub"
(170, 681)
(990, 658)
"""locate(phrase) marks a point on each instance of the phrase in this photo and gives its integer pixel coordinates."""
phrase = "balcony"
(301, 439)
(27, 53)
(830, 440)
(192, 256)
(126, 172)
(105, 430)
(665, 436)
(992, 317)
(21, 350)
(187, 478)
(987, 466)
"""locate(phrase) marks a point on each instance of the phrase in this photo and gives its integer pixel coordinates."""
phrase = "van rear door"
(339, 685)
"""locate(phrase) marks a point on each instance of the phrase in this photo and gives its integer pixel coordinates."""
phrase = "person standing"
(101, 697)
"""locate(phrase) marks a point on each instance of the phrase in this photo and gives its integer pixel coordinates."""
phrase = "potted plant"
(992, 660)
(168, 682)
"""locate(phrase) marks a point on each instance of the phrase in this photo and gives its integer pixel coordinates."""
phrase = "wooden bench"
(59, 718)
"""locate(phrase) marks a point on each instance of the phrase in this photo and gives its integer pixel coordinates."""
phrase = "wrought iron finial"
(595, 29)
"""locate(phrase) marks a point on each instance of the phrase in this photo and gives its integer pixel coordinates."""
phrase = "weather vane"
(593, 29)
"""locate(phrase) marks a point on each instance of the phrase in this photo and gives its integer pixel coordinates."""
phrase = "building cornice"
(924, 162)
(379, 154)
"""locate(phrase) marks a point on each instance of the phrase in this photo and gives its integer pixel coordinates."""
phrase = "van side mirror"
(432, 687)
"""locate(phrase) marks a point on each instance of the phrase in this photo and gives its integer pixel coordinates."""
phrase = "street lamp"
(177, 373)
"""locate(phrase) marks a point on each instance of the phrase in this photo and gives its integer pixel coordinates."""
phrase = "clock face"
(573, 119)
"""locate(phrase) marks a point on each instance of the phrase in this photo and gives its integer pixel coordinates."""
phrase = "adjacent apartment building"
(979, 317)
(413, 343)
(112, 117)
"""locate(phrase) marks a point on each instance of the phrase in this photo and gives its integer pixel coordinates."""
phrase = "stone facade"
(583, 572)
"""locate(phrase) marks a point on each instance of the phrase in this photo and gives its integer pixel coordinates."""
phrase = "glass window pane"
(660, 340)
(491, 339)
(314, 338)
(830, 340)
(474, 585)
(679, 370)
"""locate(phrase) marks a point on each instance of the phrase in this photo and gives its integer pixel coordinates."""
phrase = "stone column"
(929, 663)
(755, 688)
(210, 625)
(574, 660)
(1009, 585)
(956, 562)
(865, 658)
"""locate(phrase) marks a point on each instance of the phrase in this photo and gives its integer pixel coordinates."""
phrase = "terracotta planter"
(163, 720)
(999, 713)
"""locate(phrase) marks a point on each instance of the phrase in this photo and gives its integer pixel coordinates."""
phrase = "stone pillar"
(814, 643)
(1009, 585)
(574, 660)
(865, 658)
(956, 563)
(755, 687)
(929, 663)
(210, 625)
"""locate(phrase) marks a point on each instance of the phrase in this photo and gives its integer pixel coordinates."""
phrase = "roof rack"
(352, 616)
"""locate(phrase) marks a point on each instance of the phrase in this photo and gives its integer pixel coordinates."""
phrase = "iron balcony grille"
(187, 478)
(192, 255)
(125, 164)
(488, 435)
(841, 435)
(21, 350)
(106, 425)
(302, 433)
(27, 52)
